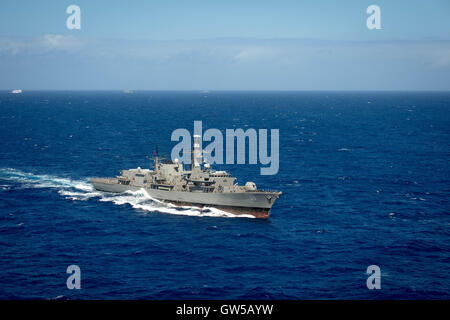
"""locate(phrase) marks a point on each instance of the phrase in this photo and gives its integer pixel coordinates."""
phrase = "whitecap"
(30, 180)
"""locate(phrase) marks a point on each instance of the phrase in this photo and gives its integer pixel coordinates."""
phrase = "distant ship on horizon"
(15, 91)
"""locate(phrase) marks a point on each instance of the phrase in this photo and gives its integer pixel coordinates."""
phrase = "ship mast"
(156, 159)
(196, 153)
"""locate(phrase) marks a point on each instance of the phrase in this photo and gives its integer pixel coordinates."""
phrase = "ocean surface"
(365, 178)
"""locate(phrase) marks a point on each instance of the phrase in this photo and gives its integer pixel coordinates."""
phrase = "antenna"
(155, 158)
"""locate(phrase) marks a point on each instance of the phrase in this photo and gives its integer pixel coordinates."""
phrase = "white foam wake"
(30, 180)
(82, 190)
(141, 200)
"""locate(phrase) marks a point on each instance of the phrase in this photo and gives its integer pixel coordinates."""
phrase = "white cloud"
(39, 45)
(255, 53)
(11, 46)
(60, 42)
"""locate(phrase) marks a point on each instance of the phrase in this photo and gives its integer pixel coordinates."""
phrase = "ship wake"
(82, 190)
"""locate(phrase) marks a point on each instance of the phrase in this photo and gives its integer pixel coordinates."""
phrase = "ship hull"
(257, 204)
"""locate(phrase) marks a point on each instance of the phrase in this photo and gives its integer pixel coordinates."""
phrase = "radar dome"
(250, 186)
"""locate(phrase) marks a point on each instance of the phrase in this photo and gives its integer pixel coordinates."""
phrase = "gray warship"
(200, 186)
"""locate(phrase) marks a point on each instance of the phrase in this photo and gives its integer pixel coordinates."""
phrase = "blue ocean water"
(365, 180)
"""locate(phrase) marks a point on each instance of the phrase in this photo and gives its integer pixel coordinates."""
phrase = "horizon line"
(131, 91)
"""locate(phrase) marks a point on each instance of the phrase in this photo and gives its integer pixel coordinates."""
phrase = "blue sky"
(225, 45)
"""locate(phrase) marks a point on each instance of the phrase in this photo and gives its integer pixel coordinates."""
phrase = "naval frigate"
(199, 186)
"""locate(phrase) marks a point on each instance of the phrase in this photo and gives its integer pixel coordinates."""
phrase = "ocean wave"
(82, 190)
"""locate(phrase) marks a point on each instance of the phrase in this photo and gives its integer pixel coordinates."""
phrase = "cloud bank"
(55, 61)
